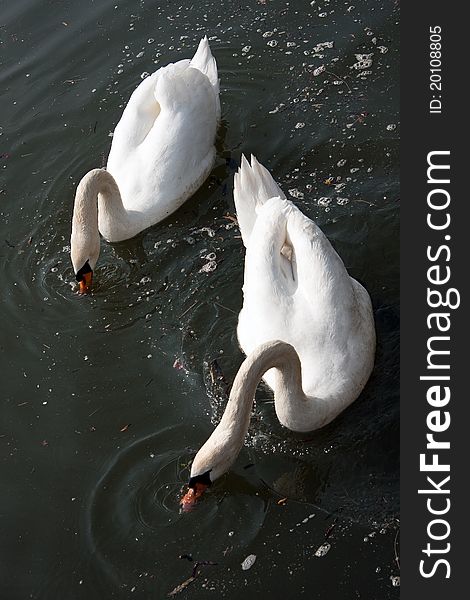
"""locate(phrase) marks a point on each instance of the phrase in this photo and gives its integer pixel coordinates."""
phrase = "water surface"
(106, 398)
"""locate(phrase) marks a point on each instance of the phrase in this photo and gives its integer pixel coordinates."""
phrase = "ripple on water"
(133, 521)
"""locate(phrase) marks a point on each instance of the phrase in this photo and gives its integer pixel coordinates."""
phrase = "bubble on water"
(267, 34)
(383, 49)
(395, 579)
(150, 41)
(391, 127)
(272, 43)
(299, 125)
(246, 49)
(319, 70)
(341, 162)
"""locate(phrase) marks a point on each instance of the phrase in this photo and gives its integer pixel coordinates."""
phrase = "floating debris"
(364, 61)
(179, 366)
(277, 109)
(319, 70)
(295, 193)
(323, 550)
(196, 572)
(208, 267)
(322, 46)
(249, 562)
(210, 232)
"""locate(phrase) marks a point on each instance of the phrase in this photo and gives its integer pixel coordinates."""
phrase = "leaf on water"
(125, 428)
(182, 586)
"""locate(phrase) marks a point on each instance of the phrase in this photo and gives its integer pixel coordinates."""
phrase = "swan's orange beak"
(85, 282)
(189, 500)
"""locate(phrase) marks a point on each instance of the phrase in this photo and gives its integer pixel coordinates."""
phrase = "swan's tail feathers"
(206, 63)
(253, 186)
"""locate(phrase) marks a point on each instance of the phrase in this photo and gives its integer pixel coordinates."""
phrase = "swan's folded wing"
(267, 272)
(187, 122)
(139, 116)
(206, 63)
(253, 186)
(319, 271)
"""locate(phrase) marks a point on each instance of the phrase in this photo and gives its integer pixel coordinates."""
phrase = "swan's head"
(197, 486)
(85, 238)
(213, 460)
(84, 253)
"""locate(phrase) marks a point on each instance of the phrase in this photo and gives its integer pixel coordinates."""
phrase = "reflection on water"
(107, 397)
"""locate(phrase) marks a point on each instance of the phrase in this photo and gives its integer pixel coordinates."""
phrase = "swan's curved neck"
(273, 354)
(97, 187)
(294, 408)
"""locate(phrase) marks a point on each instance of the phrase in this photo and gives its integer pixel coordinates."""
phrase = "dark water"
(106, 398)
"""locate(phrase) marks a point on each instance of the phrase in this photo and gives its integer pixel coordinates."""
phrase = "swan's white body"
(306, 326)
(162, 151)
(296, 289)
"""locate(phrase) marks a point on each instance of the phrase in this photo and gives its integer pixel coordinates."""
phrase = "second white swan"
(162, 151)
(306, 326)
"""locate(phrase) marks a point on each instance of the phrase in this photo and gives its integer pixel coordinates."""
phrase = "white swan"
(162, 151)
(306, 326)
